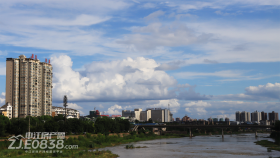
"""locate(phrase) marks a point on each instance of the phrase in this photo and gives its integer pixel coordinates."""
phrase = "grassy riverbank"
(269, 144)
(65, 153)
(86, 143)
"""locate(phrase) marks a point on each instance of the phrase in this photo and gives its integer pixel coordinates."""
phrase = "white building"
(245, 116)
(137, 114)
(6, 110)
(256, 117)
(70, 113)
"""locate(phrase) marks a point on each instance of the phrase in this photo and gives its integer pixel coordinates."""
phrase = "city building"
(227, 121)
(256, 117)
(137, 114)
(6, 110)
(264, 122)
(157, 115)
(145, 115)
(29, 86)
(221, 120)
(264, 116)
(178, 119)
(70, 113)
(185, 118)
(127, 113)
(245, 116)
(237, 116)
(94, 113)
(273, 116)
(215, 119)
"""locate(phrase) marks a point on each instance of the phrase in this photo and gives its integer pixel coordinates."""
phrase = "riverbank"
(269, 144)
(88, 145)
(241, 145)
(64, 153)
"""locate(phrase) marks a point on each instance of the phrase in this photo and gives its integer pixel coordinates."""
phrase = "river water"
(235, 146)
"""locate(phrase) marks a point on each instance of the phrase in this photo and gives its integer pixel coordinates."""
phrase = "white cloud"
(154, 15)
(149, 5)
(198, 111)
(57, 25)
(2, 98)
(268, 90)
(101, 106)
(157, 35)
(119, 80)
(228, 108)
(114, 110)
(174, 105)
(199, 103)
(255, 93)
(2, 68)
(83, 20)
(74, 106)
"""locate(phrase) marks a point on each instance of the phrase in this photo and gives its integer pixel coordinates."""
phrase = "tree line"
(57, 124)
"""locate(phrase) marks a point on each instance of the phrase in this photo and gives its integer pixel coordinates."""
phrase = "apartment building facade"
(256, 117)
(70, 113)
(6, 110)
(29, 86)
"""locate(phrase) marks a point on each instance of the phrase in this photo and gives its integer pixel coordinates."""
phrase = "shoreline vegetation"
(269, 144)
(90, 145)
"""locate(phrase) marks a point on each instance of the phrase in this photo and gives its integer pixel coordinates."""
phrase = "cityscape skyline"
(203, 58)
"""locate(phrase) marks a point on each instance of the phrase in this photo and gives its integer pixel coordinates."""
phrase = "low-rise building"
(70, 113)
(6, 110)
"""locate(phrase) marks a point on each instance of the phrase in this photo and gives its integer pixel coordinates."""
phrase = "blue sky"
(204, 58)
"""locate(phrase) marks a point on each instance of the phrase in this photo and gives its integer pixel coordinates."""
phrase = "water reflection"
(231, 146)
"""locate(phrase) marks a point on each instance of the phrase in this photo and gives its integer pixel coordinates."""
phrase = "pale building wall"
(30, 91)
(157, 115)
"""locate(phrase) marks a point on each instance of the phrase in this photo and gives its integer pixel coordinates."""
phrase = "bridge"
(205, 126)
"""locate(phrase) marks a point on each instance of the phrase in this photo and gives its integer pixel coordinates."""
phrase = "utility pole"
(29, 124)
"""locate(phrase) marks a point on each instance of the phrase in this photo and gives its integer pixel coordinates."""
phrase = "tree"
(150, 120)
(277, 126)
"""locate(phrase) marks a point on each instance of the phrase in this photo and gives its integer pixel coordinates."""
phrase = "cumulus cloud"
(269, 90)
(266, 92)
(114, 110)
(197, 107)
(110, 81)
(74, 106)
(174, 105)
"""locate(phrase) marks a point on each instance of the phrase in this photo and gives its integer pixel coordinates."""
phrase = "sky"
(202, 58)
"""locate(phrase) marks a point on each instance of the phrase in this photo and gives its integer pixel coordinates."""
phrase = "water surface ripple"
(235, 146)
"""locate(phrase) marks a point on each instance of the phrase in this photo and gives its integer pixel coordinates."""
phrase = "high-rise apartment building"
(237, 115)
(264, 116)
(29, 86)
(244, 116)
(273, 116)
(256, 117)
(145, 115)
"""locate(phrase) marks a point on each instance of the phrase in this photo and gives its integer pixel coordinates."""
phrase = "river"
(235, 146)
